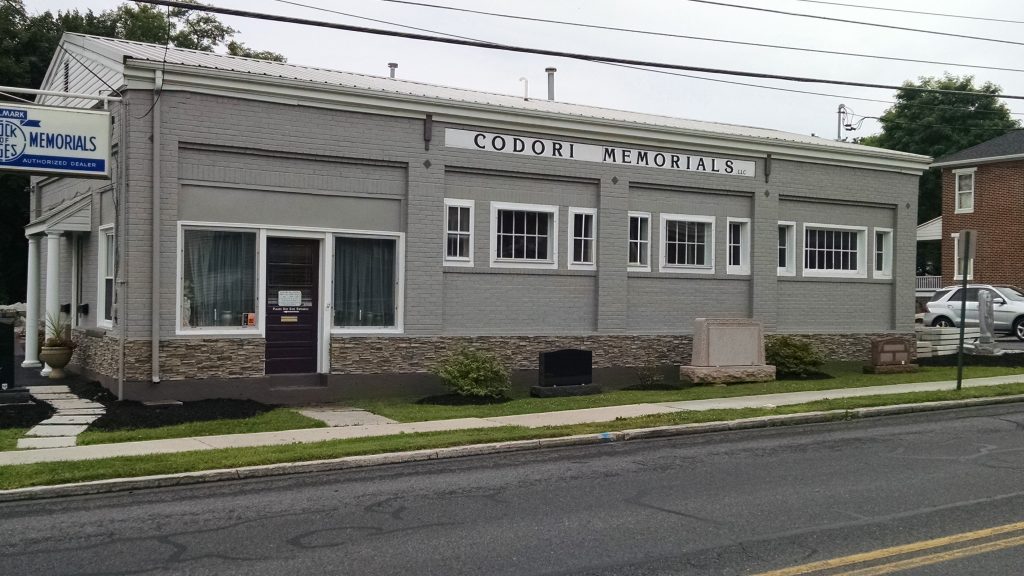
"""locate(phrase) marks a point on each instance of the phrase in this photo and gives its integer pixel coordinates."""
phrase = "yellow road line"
(938, 557)
(895, 551)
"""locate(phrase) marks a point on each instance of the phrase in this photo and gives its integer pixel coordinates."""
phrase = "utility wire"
(14, 97)
(921, 12)
(89, 70)
(920, 125)
(670, 35)
(859, 22)
(556, 53)
(656, 71)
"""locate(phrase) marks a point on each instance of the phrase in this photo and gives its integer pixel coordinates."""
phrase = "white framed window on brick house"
(882, 253)
(639, 242)
(737, 246)
(105, 277)
(835, 251)
(958, 273)
(524, 235)
(787, 249)
(687, 244)
(582, 238)
(963, 184)
(458, 239)
(217, 280)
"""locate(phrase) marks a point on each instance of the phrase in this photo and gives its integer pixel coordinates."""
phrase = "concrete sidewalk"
(588, 415)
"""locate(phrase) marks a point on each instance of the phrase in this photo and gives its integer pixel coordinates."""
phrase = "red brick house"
(983, 190)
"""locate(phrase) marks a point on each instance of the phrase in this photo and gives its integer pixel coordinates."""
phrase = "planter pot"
(56, 357)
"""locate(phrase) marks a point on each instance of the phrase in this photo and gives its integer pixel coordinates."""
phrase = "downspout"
(121, 255)
(155, 259)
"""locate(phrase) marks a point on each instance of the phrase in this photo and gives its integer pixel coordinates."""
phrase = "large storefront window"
(364, 282)
(218, 286)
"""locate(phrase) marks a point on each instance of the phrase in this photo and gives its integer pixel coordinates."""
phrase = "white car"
(1007, 306)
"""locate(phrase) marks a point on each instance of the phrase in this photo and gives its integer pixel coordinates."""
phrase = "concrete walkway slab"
(83, 412)
(56, 430)
(73, 404)
(63, 418)
(345, 416)
(47, 442)
(47, 397)
(54, 389)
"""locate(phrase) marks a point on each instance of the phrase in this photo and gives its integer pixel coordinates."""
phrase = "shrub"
(474, 373)
(792, 357)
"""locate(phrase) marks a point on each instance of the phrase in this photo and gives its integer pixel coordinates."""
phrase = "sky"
(640, 91)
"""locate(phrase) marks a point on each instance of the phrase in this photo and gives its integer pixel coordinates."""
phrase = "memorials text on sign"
(48, 140)
(542, 148)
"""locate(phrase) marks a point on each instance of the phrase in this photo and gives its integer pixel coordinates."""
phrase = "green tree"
(27, 43)
(937, 124)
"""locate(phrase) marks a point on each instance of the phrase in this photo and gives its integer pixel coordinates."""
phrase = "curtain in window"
(219, 277)
(364, 282)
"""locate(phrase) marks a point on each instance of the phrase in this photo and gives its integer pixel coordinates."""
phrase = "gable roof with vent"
(96, 65)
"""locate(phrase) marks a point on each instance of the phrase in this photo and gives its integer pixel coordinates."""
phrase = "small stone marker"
(727, 350)
(567, 372)
(890, 356)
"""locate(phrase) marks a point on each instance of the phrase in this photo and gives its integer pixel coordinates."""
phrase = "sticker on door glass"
(289, 298)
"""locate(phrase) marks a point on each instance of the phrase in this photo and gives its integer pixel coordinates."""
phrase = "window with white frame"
(218, 279)
(458, 232)
(787, 249)
(582, 237)
(640, 241)
(963, 180)
(738, 246)
(365, 282)
(834, 251)
(883, 253)
(524, 235)
(105, 285)
(688, 243)
(958, 265)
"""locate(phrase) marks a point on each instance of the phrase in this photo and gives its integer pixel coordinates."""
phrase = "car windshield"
(1012, 293)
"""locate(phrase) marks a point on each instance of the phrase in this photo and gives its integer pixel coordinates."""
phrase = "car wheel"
(943, 322)
(1018, 328)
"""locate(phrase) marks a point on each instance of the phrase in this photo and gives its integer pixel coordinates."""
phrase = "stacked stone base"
(726, 374)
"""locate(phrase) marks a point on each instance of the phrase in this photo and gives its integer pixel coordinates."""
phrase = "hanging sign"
(541, 148)
(45, 140)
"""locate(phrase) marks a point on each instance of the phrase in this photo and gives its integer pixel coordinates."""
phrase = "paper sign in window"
(289, 298)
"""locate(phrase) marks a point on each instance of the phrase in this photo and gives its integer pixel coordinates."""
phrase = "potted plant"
(58, 347)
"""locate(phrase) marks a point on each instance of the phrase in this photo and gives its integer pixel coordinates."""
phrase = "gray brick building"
(321, 234)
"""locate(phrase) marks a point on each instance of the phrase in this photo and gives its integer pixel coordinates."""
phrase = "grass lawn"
(272, 421)
(845, 375)
(124, 467)
(9, 437)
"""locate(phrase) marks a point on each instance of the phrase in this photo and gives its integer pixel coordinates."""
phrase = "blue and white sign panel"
(46, 140)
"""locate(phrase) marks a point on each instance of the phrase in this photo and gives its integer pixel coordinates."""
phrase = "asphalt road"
(732, 503)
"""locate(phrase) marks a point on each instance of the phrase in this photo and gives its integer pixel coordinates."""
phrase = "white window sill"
(201, 332)
(463, 263)
(523, 264)
(668, 268)
(348, 331)
(832, 274)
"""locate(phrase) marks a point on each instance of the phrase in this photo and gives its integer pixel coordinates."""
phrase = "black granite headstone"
(9, 393)
(565, 373)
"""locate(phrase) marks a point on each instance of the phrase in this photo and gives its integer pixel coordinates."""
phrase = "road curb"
(352, 462)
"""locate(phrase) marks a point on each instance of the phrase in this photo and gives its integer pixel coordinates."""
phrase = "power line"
(859, 22)
(680, 36)
(921, 12)
(921, 125)
(642, 69)
(555, 53)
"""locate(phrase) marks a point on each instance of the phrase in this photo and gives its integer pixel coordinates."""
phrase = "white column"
(52, 282)
(32, 306)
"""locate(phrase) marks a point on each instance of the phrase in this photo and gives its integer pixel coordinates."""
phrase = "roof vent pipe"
(393, 66)
(551, 82)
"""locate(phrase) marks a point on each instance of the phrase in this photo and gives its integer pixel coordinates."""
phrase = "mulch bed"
(24, 415)
(130, 415)
(1012, 360)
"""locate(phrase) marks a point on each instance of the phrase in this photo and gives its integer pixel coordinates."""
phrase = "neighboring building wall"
(998, 211)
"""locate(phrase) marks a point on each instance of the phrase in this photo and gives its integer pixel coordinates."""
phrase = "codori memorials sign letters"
(45, 140)
(540, 147)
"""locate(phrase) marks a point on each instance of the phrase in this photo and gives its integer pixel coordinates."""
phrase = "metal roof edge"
(296, 91)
